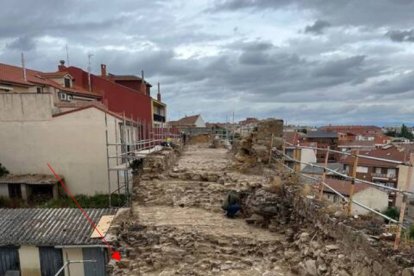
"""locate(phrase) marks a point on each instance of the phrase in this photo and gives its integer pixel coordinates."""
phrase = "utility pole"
(24, 68)
(67, 54)
(233, 130)
(89, 71)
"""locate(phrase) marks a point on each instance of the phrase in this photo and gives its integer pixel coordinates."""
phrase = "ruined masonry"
(176, 225)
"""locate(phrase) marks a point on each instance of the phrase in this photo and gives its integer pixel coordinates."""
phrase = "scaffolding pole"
(107, 161)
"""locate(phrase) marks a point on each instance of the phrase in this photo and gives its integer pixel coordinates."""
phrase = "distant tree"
(405, 133)
(3, 170)
(391, 133)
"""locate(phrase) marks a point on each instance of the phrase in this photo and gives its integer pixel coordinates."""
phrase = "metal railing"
(349, 200)
(130, 140)
(384, 175)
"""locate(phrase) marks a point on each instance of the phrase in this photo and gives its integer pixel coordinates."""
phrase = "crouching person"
(231, 204)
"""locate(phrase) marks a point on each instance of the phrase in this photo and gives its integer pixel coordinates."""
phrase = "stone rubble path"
(183, 231)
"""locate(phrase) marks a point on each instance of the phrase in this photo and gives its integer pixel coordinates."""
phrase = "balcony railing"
(385, 176)
(159, 118)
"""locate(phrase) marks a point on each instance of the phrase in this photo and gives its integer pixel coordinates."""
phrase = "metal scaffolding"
(132, 140)
(320, 183)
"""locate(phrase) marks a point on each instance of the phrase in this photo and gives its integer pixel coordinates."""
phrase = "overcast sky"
(306, 61)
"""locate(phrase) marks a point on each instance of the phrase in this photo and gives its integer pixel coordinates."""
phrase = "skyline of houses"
(387, 168)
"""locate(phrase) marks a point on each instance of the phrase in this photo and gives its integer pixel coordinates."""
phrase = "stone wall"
(156, 163)
(323, 241)
(254, 149)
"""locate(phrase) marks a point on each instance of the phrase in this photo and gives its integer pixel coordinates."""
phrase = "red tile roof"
(344, 186)
(354, 129)
(57, 74)
(14, 75)
(187, 120)
(292, 137)
(390, 152)
(382, 139)
(357, 144)
(96, 105)
(127, 78)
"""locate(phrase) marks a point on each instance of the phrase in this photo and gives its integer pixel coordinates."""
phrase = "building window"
(391, 172)
(65, 97)
(39, 90)
(67, 82)
(15, 191)
(346, 168)
(361, 169)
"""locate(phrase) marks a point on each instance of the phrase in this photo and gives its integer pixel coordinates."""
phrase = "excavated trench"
(178, 227)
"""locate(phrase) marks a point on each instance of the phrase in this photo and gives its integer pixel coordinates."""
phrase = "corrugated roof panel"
(42, 227)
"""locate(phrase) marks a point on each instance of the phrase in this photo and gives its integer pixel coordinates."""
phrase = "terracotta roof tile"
(188, 120)
(391, 153)
(344, 186)
(13, 74)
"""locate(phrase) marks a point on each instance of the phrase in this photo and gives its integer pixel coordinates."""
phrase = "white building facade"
(74, 143)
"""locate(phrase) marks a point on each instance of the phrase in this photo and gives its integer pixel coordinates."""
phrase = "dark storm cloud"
(346, 12)
(317, 27)
(242, 4)
(269, 72)
(401, 36)
(24, 43)
(401, 84)
(206, 66)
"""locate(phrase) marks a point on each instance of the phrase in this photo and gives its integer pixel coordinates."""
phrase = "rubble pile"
(199, 139)
(165, 250)
(254, 150)
(307, 255)
(178, 228)
(205, 195)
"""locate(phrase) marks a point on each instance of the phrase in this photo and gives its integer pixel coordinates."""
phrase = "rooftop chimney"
(61, 66)
(103, 70)
(159, 93)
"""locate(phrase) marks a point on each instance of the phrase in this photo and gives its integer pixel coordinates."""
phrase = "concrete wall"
(308, 156)
(371, 197)
(74, 144)
(402, 179)
(4, 190)
(29, 261)
(73, 254)
(200, 122)
(23, 107)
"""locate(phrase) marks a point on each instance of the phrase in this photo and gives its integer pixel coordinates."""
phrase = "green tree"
(391, 133)
(406, 133)
(391, 212)
(3, 170)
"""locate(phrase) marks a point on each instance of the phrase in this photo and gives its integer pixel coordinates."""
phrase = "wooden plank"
(404, 188)
(103, 226)
(324, 174)
(352, 188)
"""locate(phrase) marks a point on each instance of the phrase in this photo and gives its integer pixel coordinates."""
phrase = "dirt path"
(182, 230)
